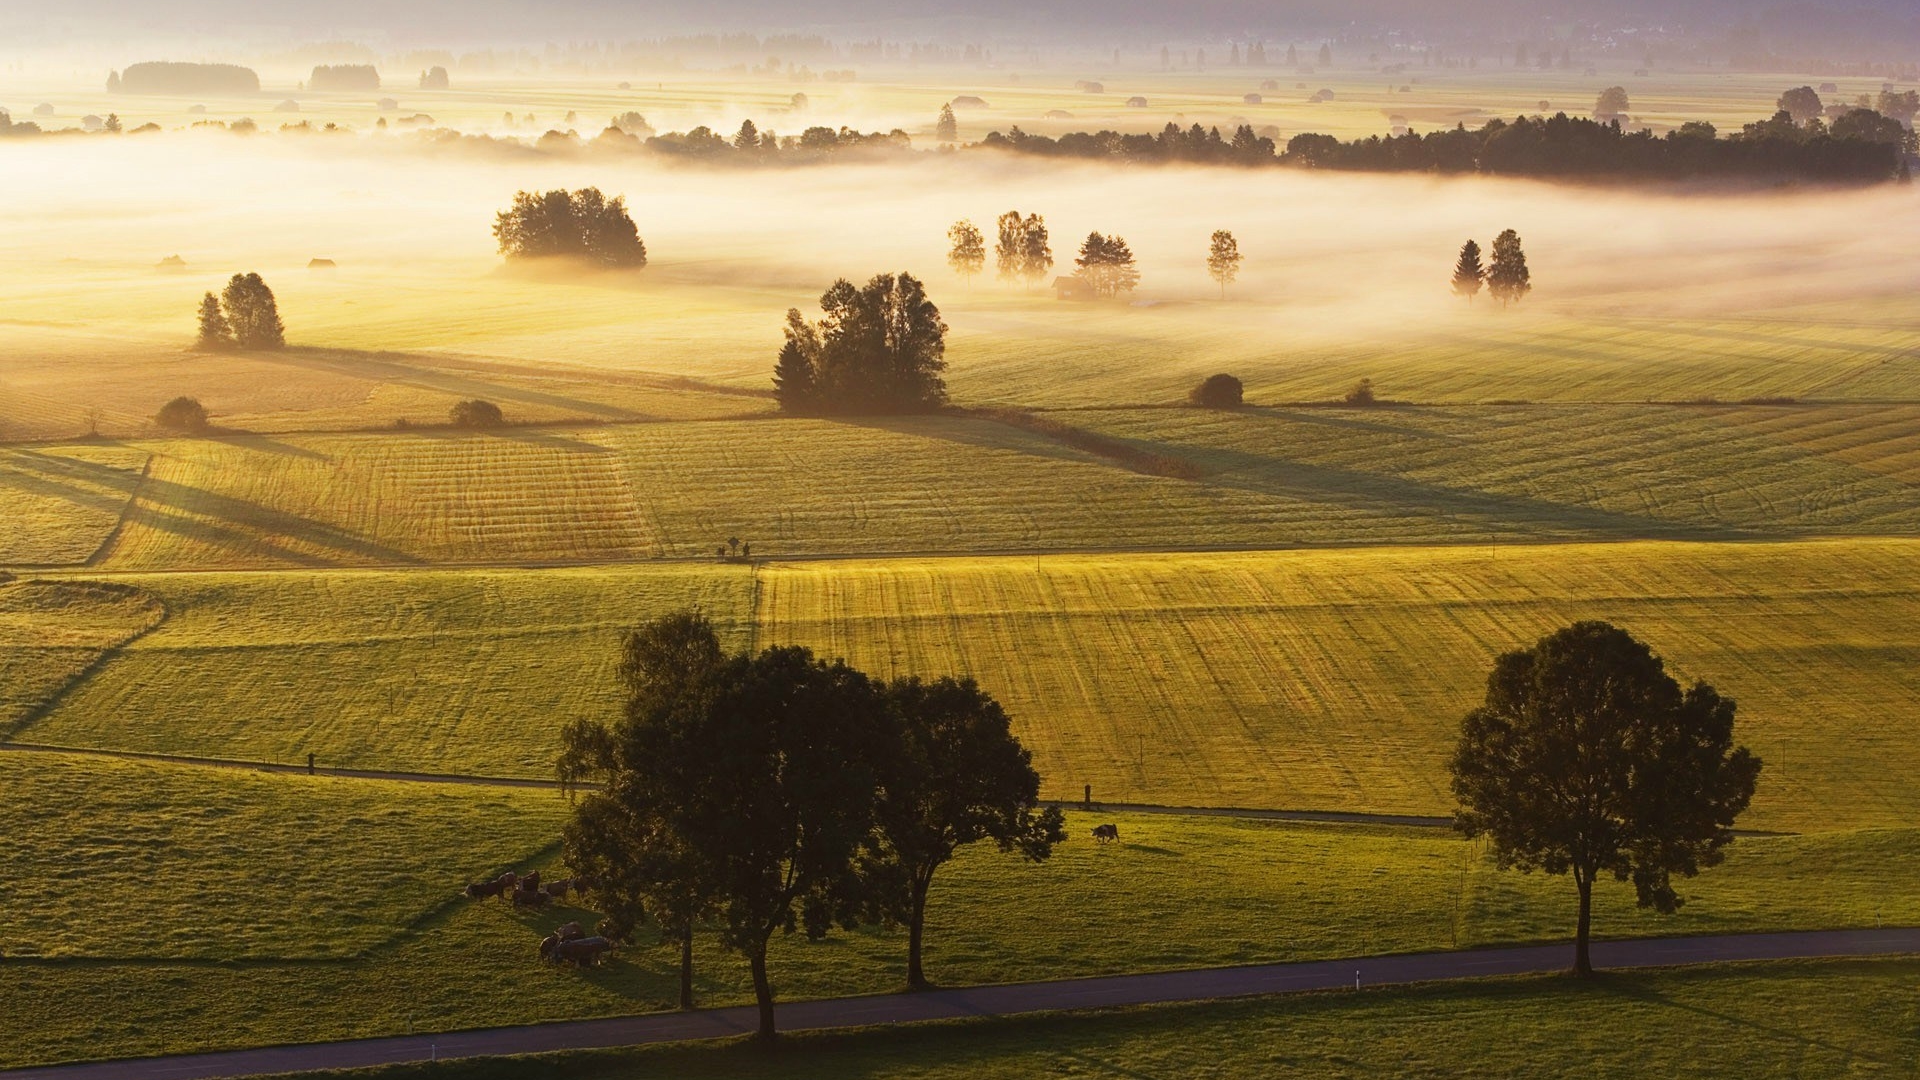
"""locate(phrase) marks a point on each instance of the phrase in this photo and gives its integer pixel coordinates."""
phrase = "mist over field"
(1327, 255)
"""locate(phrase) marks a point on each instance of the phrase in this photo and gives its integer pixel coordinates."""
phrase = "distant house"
(1252, 99)
(1136, 103)
(388, 104)
(321, 265)
(1056, 114)
(288, 105)
(1088, 86)
(968, 101)
(1072, 288)
(172, 264)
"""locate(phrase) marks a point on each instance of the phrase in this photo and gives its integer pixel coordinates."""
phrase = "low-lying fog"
(1331, 255)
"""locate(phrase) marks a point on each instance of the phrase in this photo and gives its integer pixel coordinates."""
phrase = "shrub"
(182, 414)
(1217, 392)
(1361, 394)
(477, 414)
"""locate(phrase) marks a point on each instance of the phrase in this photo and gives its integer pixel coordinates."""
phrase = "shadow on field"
(421, 373)
(236, 525)
(31, 473)
(1630, 987)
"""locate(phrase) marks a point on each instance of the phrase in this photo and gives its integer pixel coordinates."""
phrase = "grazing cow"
(499, 886)
(569, 932)
(580, 952)
(558, 889)
(1106, 834)
(525, 897)
(531, 880)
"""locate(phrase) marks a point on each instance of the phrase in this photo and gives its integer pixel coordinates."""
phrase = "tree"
(182, 414)
(1588, 758)
(1223, 260)
(947, 128)
(1106, 265)
(1361, 394)
(476, 414)
(968, 255)
(1326, 54)
(624, 839)
(252, 313)
(215, 331)
(113, 82)
(953, 774)
(1217, 392)
(1022, 252)
(1612, 105)
(747, 138)
(112, 124)
(435, 78)
(879, 348)
(1508, 279)
(1803, 104)
(1468, 274)
(1902, 106)
(584, 225)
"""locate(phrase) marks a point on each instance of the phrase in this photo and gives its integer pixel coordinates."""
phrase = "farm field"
(52, 631)
(1269, 477)
(1805, 1020)
(1327, 680)
(312, 908)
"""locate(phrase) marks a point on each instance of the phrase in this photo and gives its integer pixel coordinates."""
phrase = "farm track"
(1162, 988)
(1328, 816)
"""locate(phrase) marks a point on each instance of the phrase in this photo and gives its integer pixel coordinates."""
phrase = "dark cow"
(499, 886)
(559, 889)
(527, 894)
(569, 931)
(1106, 834)
(580, 952)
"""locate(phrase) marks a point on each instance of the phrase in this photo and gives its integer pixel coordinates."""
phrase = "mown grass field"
(1262, 477)
(52, 631)
(197, 908)
(1325, 679)
(1801, 1020)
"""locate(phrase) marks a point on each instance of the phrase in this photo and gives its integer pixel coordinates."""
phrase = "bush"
(182, 414)
(477, 414)
(1217, 392)
(1361, 394)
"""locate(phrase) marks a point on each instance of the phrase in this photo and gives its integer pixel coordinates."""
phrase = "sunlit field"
(340, 916)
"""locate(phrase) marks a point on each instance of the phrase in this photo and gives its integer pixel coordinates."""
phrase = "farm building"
(321, 264)
(1252, 99)
(968, 101)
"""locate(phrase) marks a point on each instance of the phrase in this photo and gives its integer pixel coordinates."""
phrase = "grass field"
(197, 907)
(1800, 1020)
(52, 631)
(1265, 477)
(1314, 679)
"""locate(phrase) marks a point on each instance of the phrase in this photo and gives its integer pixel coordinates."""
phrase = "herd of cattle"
(569, 943)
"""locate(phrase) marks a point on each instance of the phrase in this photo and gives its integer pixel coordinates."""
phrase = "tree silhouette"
(215, 331)
(1588, 758)
(252, 313)
(1508, 279)
(880, 348)
(583, 225)
(1612, 104)
(1223, 260)
(1021, 252)
(947, 128)
(476, 414)
(1803, 104)
(747, 138)
(182, 414)
(1217, 392)
(1468, 275)
(952, 774)
(968, 254)
(1106, 265)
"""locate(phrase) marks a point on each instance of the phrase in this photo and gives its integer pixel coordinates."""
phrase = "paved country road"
(1148, 989)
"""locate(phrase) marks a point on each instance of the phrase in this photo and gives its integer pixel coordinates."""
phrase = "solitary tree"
(1223, 260)
(1588, 758)
(1612, 104)
(182, 414)
(968, 255)
(1508, 279)
(215, 331)
(947, 128)
(252, 313)
(1217, 392)
(1106, 265)
(953, 775)
(1803, 104)
(1468, 274)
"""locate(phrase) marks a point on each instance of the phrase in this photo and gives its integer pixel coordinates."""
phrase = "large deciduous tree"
(1106, 265)
(1588, 758)
(1508, 279)
(879, 348)
(953, 775)
(1612, 104)
(1223, 259)
(1022, 250)
(252, 313)
(1468, 274)
(967, 253)
(1803, 104)
(582, 225)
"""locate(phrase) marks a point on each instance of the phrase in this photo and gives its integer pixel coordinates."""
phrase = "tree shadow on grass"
(1628, 986)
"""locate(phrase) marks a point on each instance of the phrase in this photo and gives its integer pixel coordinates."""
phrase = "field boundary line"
(1007, 999)
(105, 550)
(46, 705)
(1336, 817)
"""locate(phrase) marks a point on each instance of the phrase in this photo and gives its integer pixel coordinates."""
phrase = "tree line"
(1861, 146)
(244, 315)
(753, 794)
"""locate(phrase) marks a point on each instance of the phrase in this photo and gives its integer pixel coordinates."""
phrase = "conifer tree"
(1508, 279)
(215, 331)
(1106, 265)
(747, 138)
(1468, 274)
(1223, 260)
(947, 128)
(794, 386)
